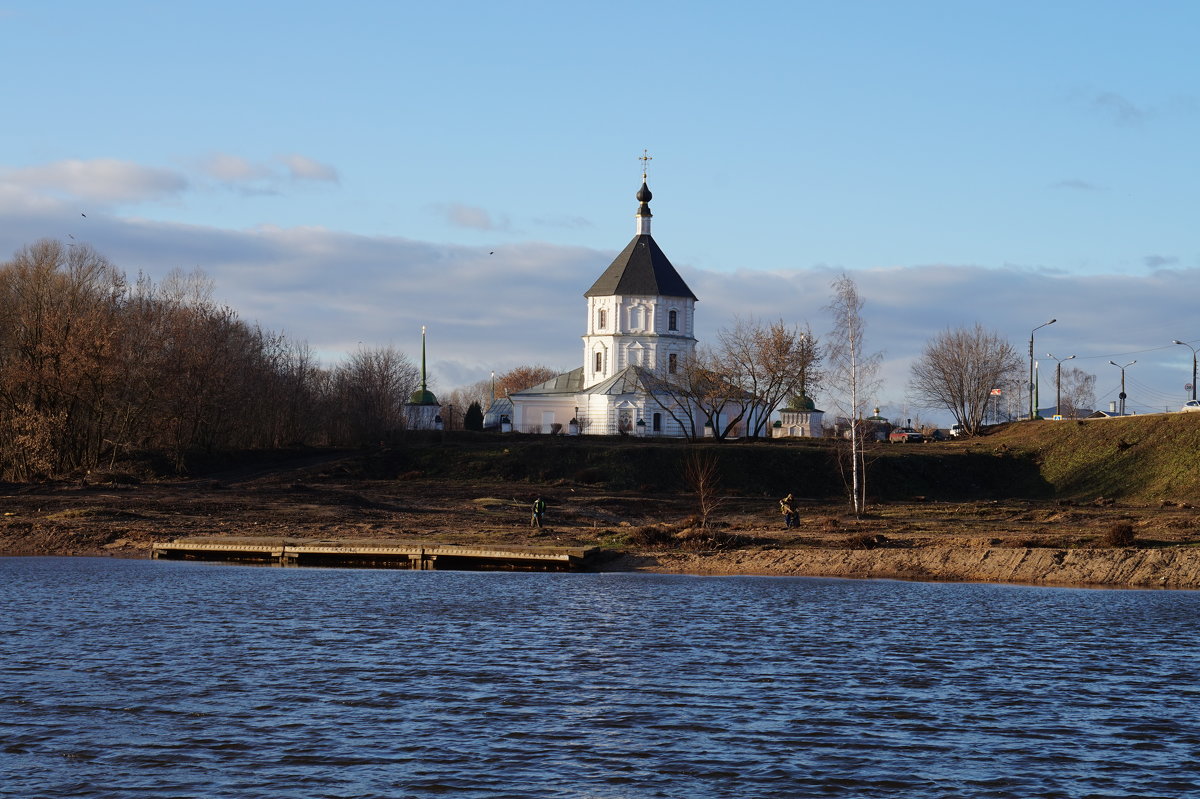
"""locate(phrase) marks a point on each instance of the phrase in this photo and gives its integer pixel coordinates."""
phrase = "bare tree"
(373, 386)
(1078, 392)
(479, 392)
(769, 363)
(958, 370)
(852, 373)
(675, 394)
(521, 378)
(698, 394)
(702, 473)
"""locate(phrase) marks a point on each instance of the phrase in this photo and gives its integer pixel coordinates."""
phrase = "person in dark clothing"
(539, 507)
(791, 516)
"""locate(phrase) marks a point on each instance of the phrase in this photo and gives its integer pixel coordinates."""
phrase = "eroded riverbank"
(1019, 541)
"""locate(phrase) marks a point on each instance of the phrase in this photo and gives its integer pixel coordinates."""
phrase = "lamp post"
(1122, 368)
(1058, 383)
(1193, 349)
(1032, 382)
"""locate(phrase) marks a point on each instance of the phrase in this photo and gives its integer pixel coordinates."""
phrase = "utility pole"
(1193, 349)
(1032, 376)
(1122, 368)
(1058, 383)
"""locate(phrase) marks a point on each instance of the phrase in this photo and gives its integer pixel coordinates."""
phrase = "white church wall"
(540, 414)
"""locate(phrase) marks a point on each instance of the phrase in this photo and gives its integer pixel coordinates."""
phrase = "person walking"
(791, 516)
(539, 507)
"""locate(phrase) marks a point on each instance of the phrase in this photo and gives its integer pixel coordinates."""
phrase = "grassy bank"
(1137, 459)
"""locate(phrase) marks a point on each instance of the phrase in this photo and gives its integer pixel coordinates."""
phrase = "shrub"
(651, 535)
(1119, 535)
(866, 541)
(474, 418)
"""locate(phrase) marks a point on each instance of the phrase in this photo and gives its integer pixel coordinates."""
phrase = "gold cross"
(645, 157)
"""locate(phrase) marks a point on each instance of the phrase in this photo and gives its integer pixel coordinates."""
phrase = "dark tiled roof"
(643, 269)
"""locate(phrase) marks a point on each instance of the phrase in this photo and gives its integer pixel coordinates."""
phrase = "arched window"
(672, 361)
(601, 319)
(673, 321)
(599, 361)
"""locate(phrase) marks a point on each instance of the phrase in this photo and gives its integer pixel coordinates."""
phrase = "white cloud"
(1159, 261)
(102, 181)
(228, 168)
(568, 222)
(470, 216)
(106, 183)
(235, 173)
(302, 167)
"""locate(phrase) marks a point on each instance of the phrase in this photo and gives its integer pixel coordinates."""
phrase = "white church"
(640, 332)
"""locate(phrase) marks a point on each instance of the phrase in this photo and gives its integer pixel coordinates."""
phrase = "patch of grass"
(1137, 458)
(91, 513)
(78, 513)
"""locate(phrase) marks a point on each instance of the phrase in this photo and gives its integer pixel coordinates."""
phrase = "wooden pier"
(375, 554)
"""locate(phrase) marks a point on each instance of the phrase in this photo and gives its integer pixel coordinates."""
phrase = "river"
(124, 678)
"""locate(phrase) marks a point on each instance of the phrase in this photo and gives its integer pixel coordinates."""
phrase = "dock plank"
(374, 553)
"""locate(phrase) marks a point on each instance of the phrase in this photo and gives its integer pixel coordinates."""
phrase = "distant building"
(800, 419)
(423, 411)
(638, 337)
(499, 414)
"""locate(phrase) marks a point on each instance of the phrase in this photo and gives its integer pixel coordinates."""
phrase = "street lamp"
(1032, 394)
(1058, 383)
(1193, 349)
(1122, 368)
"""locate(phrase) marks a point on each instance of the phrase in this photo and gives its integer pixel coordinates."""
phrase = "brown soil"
(1008, 540)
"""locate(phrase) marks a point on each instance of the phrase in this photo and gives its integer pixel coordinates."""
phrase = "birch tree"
(852, 376)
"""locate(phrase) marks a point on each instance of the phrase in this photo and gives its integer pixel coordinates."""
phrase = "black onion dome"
(644, 195)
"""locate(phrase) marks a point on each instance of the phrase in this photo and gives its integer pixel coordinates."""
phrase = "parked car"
(905, 435)
(957, 431)
(1191, 405)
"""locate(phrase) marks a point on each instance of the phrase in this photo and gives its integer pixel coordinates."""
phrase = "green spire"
(423, 396)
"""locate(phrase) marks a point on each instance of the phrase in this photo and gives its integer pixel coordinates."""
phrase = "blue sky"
(344, 170)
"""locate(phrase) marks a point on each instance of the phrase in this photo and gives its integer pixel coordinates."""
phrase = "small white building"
(800, 419)
(639, 333)
(422, 411)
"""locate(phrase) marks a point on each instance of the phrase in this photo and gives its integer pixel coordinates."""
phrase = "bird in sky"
(83, 215)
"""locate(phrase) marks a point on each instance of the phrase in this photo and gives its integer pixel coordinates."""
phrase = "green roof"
(423, 397)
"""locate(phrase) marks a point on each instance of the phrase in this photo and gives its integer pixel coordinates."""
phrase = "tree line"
(95, 368)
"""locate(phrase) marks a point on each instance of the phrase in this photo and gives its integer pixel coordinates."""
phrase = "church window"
(599, 361)
(658, 423)
(601, 320)
(673, 320)
(672, 361)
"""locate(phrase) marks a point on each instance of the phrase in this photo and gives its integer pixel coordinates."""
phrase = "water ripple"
(129, 679)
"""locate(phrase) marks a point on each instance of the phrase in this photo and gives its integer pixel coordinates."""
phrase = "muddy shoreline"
(1015, 541)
